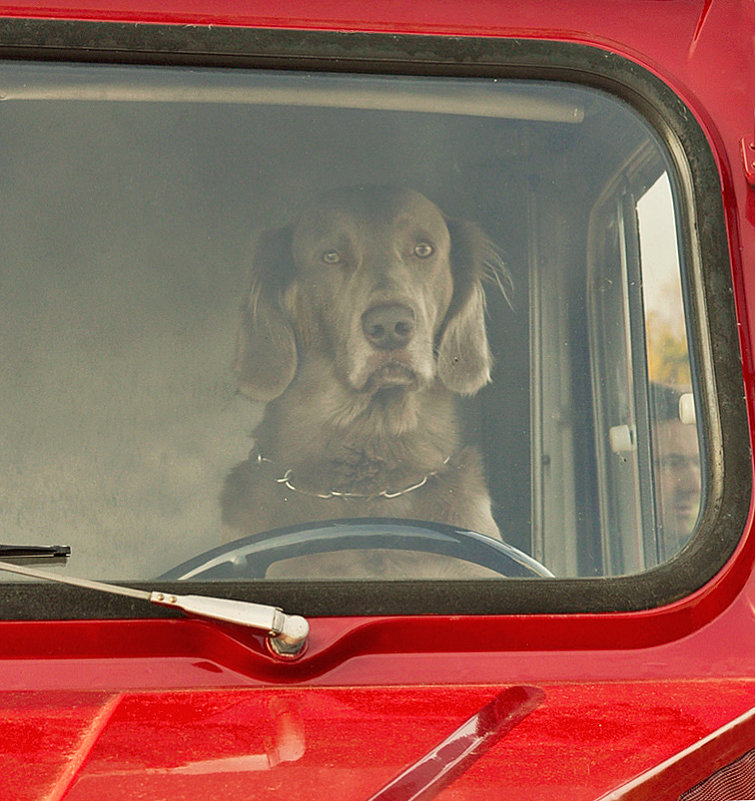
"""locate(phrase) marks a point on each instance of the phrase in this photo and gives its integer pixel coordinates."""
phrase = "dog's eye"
(331, 257)
(423, 250)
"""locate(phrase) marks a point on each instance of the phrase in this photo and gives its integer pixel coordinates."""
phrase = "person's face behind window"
(678, 480)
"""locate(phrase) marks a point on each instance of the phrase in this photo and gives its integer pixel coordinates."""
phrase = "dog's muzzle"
(389, 329)
(388, 326)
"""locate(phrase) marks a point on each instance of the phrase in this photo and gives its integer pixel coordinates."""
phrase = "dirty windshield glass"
(449, 313)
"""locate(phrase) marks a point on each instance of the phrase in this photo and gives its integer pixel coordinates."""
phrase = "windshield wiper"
(286, 634)
(35, 553)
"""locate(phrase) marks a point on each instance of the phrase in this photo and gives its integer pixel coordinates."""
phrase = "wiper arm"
(287, 634)
(35, 553)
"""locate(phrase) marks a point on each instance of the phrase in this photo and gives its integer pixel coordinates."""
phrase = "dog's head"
(380, 281)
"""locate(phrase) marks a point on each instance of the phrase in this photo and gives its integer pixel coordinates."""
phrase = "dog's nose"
(388, 326)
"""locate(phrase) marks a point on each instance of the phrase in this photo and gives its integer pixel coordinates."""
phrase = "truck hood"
(576, 741)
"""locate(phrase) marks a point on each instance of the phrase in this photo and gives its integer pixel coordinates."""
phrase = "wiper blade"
(286, 634)
(35, 553)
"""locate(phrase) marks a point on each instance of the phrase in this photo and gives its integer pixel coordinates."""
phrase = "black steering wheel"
(250, 557)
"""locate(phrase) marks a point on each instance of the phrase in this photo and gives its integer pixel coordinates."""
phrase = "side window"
(647, 446)
(675, 443)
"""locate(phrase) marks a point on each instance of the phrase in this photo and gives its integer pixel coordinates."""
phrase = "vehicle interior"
(132, 198)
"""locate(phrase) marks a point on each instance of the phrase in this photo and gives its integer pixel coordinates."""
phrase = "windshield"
(236, 302)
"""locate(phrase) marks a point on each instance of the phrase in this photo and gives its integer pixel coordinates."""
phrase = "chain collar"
(287, 480)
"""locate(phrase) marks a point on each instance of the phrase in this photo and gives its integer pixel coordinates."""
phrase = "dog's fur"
(364, 321)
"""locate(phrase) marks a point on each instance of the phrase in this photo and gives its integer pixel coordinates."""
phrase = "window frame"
(707, 283)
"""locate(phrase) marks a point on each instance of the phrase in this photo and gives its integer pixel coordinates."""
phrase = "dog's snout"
(388, 326)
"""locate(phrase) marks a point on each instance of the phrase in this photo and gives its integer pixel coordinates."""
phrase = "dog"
(364, 321)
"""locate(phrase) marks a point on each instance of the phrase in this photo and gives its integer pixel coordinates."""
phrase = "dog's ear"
(265, 360)
(464, 360)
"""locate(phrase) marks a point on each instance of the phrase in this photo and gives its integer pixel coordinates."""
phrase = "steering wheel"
(249, 557)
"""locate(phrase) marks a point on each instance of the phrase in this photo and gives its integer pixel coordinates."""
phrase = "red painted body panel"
(183, 710)
(345, 742)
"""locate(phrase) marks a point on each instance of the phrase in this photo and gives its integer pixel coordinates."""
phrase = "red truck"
(377, 400)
